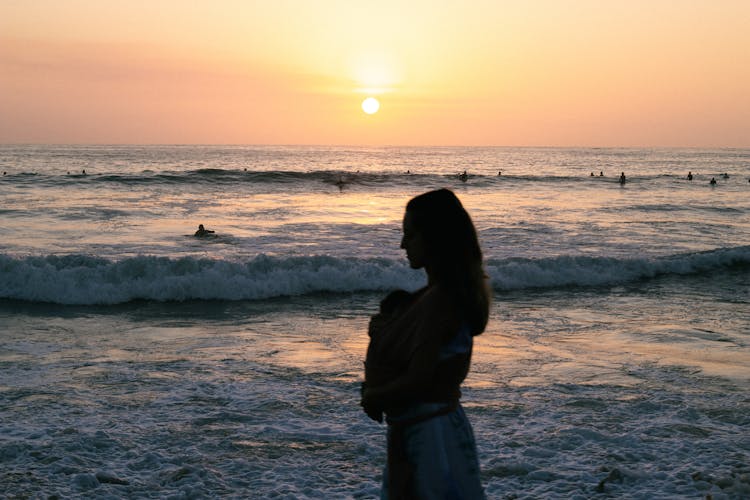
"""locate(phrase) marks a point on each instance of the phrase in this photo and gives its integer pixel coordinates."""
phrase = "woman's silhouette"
(420, 351)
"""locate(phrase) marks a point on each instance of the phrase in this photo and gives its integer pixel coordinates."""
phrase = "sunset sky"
(515, 73)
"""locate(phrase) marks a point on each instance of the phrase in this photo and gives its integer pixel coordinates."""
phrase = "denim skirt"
(431, 455)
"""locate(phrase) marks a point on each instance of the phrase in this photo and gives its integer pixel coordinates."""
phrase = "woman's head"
(440, 236)
(438, 233)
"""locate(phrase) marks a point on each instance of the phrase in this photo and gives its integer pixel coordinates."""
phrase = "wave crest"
(84, 280)
(562, 271)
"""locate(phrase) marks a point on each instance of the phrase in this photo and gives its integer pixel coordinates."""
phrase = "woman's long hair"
(453, 253)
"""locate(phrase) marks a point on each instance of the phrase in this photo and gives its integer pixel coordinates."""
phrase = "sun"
(370, 105)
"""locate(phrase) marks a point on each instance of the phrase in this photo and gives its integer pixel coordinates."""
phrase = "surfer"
(464, 176)
(202, 231)
(712, 181)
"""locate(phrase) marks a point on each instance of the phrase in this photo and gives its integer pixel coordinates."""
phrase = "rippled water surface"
(139, 361)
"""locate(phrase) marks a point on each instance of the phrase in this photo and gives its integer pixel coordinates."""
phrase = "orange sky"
(544, 73)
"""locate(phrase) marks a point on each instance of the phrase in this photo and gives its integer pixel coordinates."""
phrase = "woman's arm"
(436, 322)
(406, 387)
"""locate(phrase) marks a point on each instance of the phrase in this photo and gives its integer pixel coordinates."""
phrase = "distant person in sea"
(464, 176)
(592, 174)
(690, 176)
(420, 352)
(202, 231)
(725, 176)
(622, 178)
(499, 173)
(601, 174)
(712, 181)
(83, 172)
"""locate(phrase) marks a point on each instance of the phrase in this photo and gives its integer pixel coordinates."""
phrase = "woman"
(420, 351)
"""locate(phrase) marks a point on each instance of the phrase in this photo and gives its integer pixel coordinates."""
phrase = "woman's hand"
(377, 324)
(371, 409)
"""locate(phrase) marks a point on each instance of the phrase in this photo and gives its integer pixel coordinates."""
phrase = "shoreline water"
(138, 361)
(221, 398)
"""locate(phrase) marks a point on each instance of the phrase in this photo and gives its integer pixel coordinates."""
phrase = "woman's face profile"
(413, 243)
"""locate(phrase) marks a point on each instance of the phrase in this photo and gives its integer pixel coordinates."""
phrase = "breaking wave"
(84, 280)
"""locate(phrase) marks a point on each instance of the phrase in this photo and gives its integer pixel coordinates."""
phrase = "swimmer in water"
(202, 231)
(712, 181)
(690, 176)
(622, 178)
(464, 177)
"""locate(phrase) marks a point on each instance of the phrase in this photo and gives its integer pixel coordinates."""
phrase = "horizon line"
(234, 144)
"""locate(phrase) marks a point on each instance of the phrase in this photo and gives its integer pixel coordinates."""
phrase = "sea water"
(137, 360)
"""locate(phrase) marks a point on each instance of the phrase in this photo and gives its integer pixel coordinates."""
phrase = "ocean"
(137, 360)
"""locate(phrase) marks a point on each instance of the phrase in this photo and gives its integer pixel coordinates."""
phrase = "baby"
(394, 301)
(390, 307)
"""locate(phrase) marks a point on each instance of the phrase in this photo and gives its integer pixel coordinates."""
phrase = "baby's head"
(393, 301)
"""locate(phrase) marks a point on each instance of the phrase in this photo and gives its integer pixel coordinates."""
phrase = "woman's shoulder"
(439, 303)
(438, 295)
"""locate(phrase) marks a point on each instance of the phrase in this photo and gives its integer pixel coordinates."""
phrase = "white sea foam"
(79, 279)
(514, 274)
